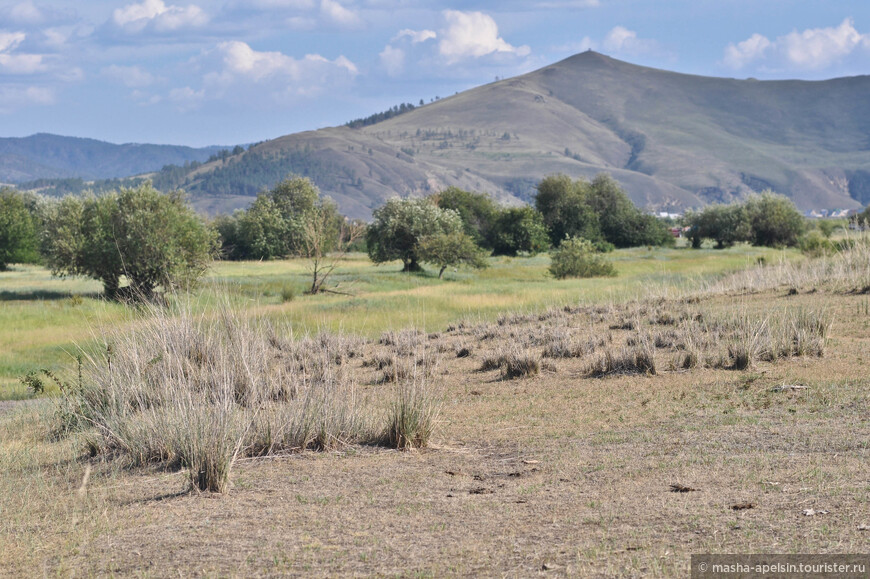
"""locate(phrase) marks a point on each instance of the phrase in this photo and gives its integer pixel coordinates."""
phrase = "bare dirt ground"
(556, 474)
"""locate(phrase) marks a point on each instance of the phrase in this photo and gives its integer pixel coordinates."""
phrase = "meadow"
(45, 319)
(701, 401)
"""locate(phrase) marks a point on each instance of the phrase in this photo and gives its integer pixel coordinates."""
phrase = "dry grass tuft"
(520, 365)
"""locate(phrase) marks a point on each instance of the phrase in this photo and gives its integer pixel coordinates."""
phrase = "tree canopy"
(153, 239)
(398, 226)
(19, 242)
(599, 211)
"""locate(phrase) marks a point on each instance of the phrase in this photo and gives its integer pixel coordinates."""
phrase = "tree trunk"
(441, 273)
(411, 266)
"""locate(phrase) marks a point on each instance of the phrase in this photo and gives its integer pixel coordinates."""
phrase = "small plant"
(576, 257)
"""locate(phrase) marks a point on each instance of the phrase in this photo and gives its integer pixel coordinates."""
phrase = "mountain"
(672, 140)
(44, 156)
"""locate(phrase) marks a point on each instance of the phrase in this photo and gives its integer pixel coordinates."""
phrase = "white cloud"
(131, 76)
(237, 71)
(25, 13)
(624, 41)
(473, 34)
(18, 63)
(582, 45)
(742, 53)
(819, 47)
(416, 36)
(14, 97)
(278, 4)
(185, 99)
(9, 41)
(810, 49)
(334, 12)
(393, 60)
(156, 15)
(549, 5)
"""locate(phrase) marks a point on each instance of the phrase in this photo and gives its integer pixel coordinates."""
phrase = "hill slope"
(44, 156)
(673, 141)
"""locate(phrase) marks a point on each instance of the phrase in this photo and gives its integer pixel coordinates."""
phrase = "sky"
(226, 72)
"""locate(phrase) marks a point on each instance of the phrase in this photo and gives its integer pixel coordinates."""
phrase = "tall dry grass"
(198, 391)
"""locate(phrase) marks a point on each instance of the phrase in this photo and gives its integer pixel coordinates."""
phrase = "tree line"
(153, 240)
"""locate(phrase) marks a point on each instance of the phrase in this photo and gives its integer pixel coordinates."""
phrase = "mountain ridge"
(50, 156)
(673, 140)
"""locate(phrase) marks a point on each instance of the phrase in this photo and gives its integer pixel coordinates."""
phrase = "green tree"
(451, 249)
(774, 220)
(621, 222)
(477, 210)
(398, 226)
(151, 238)
(577, 257)
(273, 226)
(564, 205)
(19, 242)
(519, 230)
(724, 224)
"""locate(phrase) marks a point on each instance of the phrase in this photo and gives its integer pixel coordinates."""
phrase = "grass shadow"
(35, 295)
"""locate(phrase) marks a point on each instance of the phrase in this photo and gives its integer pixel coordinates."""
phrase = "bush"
(578, 258)
(815, 244)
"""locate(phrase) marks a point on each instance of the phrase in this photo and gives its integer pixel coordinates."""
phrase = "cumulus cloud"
(819, 47)
(472, 35)
(185, 99)
(810, 49)
(15, 63)
(25, 13)
(130, 76)
(753, 48)
(157, 16)
(416, 36)
(13, 98)
(624, 41)
(393, 60)
(333, 12)
(235, 71)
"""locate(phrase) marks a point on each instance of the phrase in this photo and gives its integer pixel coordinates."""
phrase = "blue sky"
(201, 72)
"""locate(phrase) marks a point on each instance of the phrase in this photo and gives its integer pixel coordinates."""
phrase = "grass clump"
(638, 358)
(197, 391)
(413, 414)
(520, 365)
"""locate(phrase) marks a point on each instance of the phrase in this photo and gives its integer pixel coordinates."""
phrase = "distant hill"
(672, 140)
(44, 156)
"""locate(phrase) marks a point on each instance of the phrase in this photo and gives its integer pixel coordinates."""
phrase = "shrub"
(578, 258)
(816, 244)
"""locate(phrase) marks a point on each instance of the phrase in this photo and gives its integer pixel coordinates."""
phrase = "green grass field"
(45, 320)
